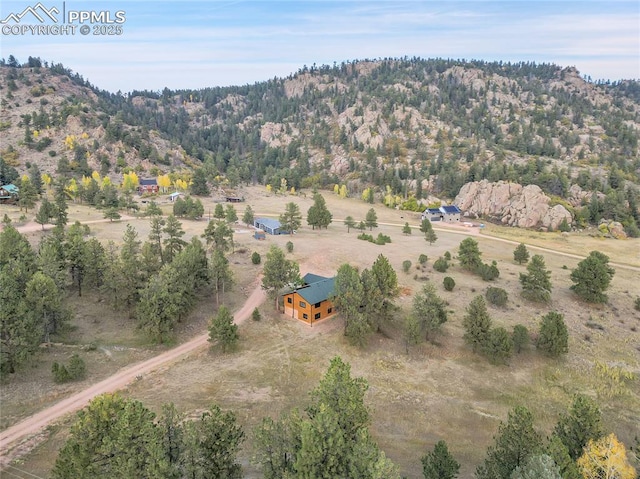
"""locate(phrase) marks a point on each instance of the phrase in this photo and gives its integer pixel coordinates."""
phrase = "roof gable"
(311, 278)
(148, 182)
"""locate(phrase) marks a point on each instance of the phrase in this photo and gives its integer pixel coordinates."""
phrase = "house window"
(305, 316)
(317, 305)
(317, 316)
(330, 310)
(303, 304)
(289, 300)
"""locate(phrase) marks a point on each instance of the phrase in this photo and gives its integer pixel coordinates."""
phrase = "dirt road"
(32, 226)
(11, 438)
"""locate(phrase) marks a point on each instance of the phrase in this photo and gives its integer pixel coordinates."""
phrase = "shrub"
(406, 265)
(496, 296)
(77, 368)
(520, 337)
(449, 283)
(255, 258)
(256, 316)
(60, 373)
(488, 272)
(289, 247)
(637, 304)
(447, 256)
(441, 265)
(422, 259)
(382, 239)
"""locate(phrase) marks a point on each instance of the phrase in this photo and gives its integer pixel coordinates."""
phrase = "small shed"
(259, 235)
(234, 199)
(175, 196)
(268, 225)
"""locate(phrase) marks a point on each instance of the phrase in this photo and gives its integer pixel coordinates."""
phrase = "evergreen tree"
(536, 284)
(223, 330)
(469, 254)
(211, 446)
(592, 277)
(540, 466)
(291, 219)
(560, 455)
(427, 228)
(371, 219)
(515, 442)
(230, 214)
(113, 437)
(199, 185)
(520, 337)
(28, 194)
(477, 323)
(219, 212)
(429, 310)
(582, 423)
(278, 272)
(248, 216)
(220, 273)
(349, 222)
(318, 214)
(553, 337)
(406, 229)
(219, 236)
(173, 243)
(112, 214)
(498, 346)
(440, 464)
(521, 254)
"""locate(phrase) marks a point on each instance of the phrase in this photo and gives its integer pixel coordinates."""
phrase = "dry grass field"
(433, 392)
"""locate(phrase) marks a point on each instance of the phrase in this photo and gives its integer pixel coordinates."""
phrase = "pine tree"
(498, 346)
(429, 310)
(515, 442)
(406, 229)
(521, 254)
(223, 330)
(248, 216)
(427, 228)
(278, 272)
(230, 214)
(199, 185)
(536, 284)
(318, 214)
(553, 337)
(371, 219)
(469, 254)
(291, 219)
(349, 222)
(173, 243)
(477, 323)
(592, 277)
(439, 464)
(582, 423)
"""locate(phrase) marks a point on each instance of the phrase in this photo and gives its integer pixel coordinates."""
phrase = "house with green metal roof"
(311, 302)
(9, 193)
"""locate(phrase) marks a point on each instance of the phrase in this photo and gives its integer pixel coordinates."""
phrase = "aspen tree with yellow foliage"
(606, 458)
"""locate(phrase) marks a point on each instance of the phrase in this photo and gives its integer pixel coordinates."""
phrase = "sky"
(205, 43)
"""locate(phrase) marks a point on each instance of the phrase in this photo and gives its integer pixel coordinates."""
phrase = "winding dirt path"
(14, 436)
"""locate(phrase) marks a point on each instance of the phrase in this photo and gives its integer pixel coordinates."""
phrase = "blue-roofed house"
(447, 213)
(268, 225)
(451, 213)
(311, 302)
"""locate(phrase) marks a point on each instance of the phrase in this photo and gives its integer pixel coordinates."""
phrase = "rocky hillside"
(416, 126)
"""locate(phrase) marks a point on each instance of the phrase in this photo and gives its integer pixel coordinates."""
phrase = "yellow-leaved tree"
(130, 181)
(96, 176)
(605, 458)
(46, 179)
(164, 182)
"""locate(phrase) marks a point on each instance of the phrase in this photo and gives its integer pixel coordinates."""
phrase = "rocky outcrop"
(512, 204)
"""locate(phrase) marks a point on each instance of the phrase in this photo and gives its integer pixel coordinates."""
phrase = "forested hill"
(364, 123)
